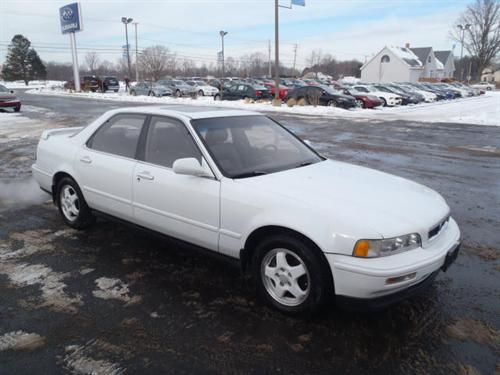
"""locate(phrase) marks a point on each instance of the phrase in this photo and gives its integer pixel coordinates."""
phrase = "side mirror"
(190, 167)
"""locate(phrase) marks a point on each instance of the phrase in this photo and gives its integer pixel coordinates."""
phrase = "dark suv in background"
(110, 84)
(322, 95)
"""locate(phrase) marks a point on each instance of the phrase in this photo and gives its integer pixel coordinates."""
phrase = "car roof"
(190, 112)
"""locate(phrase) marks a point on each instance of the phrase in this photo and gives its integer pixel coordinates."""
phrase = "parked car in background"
(406, 97)
(150, 89)
(322, 95)
(484, 86)
(429, 96)
(202, 88)
(8, 99)
(426, 87)
(389, 99)
(110, 84)
(243, 91)
(283, 90)
(91, 83)
(363, 99)
(179, 88)
(308, 229)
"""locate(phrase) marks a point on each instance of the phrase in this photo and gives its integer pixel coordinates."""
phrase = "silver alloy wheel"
(285, 277)
(70, 205)
(200, 93)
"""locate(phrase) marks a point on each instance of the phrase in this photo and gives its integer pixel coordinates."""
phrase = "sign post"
(71, 21)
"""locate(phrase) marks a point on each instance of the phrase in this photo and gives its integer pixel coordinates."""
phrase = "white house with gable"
(405, 64)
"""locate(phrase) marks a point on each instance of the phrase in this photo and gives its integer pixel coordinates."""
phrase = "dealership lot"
(117, 300)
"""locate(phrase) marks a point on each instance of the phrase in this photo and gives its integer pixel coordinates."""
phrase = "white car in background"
(389, 99)
(484, 86)
(203, 89)
(239, 184)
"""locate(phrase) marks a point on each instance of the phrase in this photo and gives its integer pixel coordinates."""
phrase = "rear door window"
(119, 135)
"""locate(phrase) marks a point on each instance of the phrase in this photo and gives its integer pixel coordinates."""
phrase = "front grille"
(435, 230)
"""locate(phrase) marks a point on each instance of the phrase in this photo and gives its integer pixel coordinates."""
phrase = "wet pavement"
(114, 300)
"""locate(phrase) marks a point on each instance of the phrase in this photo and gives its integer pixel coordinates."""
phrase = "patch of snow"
(480, 110)
(32, 84)
(20, 340)
(108, 288)
(78, 361)
(404, 53)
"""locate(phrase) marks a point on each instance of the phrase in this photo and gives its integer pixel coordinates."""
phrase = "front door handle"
(145, 176)
(86, 159)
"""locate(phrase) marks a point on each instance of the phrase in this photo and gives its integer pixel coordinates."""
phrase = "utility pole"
(462, 28)
(136, 55)
(276, 101)
(222, 34)
(295, 56)
(126, 21)
(269, 57)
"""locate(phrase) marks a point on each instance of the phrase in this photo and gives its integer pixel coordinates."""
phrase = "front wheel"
(384, 102)
(200, 93)
(217, 97)
(72, 206)
(332, 103)
(290, 276)
(152, 93)
(178, 94)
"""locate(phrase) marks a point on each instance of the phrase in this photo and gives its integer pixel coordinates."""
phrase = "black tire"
(85, 218)
(332, 103)
(217, 97)
(201, 93)
(488, 88)
(17, 109)
(319, 280)
(116, 90)
(152, 93)
(133, 93)
(384, 102)
(177, 93)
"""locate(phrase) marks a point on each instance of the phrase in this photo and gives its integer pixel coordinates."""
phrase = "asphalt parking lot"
(116, 300)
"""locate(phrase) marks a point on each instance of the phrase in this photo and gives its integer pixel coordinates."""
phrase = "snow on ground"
(32, 84)
(481, 110)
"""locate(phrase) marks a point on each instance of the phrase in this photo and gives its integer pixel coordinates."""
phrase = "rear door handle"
(86, 159)
(145, 176)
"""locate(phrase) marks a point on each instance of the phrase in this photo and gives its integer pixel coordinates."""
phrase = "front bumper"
(367, 279)
(11, 104)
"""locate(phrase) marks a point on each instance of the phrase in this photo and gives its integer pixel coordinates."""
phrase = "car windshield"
(178, 82)
(200, 83)
(246, 146)
(3, 89)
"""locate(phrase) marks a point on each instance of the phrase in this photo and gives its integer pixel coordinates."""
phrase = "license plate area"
(450, 258)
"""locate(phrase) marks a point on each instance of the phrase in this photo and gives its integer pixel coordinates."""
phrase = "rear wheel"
(217, 97)
(17, 109)
(177, 93)
(384, 102)
(72, 206)
(200, 93)
(289, 275)
(332, 103)
(361, 104)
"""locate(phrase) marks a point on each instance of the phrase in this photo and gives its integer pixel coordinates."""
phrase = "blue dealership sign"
(299, 2)
(71, 18)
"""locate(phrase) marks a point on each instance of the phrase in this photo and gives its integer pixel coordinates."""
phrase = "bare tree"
(156, 61)
(482, 39)
(92, 61)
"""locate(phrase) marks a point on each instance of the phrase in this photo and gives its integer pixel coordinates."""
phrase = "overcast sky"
(344, 28)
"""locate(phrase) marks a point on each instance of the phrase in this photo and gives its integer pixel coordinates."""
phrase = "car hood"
(7, 96)
(387, 204)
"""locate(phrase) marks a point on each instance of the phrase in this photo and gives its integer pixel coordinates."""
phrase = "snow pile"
(32, 84)
(481, 110)
(20, 340)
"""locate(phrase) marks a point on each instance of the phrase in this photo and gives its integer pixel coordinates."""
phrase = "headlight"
(387, 246)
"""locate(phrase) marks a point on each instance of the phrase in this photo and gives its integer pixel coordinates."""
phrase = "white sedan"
(203, 89)
(389, 99)
(239, 184)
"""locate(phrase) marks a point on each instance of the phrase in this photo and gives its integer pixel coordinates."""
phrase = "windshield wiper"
(250, 174)
(304, 164)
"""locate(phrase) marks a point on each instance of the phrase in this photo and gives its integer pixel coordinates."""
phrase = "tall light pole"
(136, 55)
(126, 21)
(276, 101)
(222, 34)
(462, 30)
